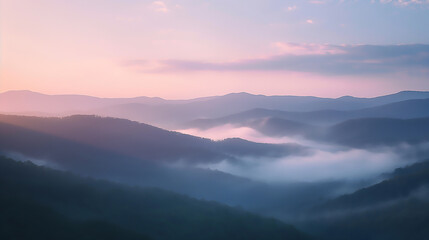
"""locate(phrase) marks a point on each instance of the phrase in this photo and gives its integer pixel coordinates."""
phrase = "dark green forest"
(40, 203)
(394, 209)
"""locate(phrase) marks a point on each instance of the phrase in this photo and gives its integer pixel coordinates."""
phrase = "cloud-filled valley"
(323, 161)
(262, 144)
(262, 154)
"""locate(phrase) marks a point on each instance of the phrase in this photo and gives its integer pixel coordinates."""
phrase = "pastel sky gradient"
(191, 48)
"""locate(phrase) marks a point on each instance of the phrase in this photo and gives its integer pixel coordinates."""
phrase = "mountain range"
(407, 109)
(139, 154)
(109, 168)
(174, 113)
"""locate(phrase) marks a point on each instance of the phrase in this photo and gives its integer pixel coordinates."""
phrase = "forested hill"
(395, 209)
(58, 203)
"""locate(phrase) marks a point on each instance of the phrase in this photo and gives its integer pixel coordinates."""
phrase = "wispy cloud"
(318, 58)
(394, 2)
(291, 8)
(160, 6)
(402, 2)
(307, 48)
(317, 2)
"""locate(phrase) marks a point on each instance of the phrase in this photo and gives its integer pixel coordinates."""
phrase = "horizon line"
(202, 97)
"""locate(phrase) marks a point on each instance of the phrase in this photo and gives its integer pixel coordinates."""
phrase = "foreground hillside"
(97, 208)
(394, 209)
(23, 219)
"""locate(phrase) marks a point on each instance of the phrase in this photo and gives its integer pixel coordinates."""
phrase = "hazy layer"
(325, 162)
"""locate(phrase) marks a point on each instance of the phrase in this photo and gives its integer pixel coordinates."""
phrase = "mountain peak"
(239, 94)
(347, 97)
(21, 92)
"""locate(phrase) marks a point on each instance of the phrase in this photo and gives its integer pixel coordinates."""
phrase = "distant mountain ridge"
(407, 109)
(356, 133)
(172, 113)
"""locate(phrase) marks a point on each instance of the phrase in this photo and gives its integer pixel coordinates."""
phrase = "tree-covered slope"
(154, 213)
(397, 208)
(22, 219)
(121, 137)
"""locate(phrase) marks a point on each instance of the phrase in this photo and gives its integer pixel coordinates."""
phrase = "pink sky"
(83, 47)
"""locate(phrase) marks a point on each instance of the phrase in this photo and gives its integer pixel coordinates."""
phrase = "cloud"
(291, 8)
(307, 49)
(402, 2)
(160, 6)
(351, 164)
(317, 2)
(309, 21)
(37, 161)
(230, 131)
(317, 58)
(325, 162)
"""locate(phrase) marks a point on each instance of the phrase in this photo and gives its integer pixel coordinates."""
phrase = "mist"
(324, 161)
(35, 160)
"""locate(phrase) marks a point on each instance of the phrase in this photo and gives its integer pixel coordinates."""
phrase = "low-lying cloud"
(37, 161)
(231, 131)
(353, 164)
(327, 162)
